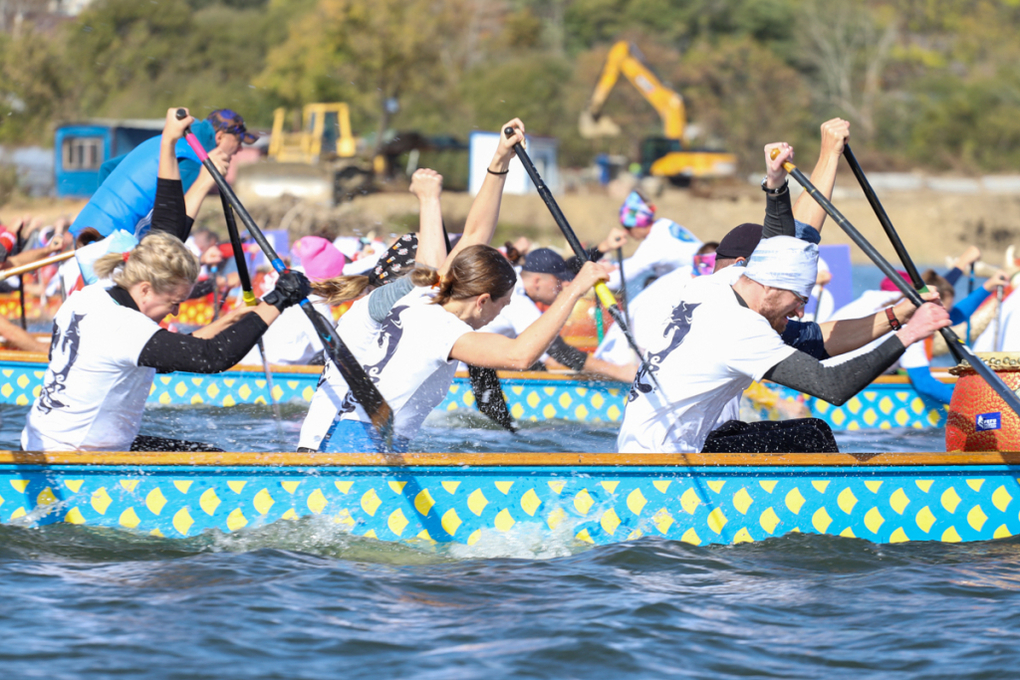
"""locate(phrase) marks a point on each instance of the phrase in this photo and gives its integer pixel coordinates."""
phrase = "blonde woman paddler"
(107, 343)
(107, 347)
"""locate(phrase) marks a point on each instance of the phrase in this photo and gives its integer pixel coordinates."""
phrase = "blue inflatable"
(125, 197)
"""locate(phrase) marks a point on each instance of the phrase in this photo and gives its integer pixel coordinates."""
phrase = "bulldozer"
(319, 161)
(323, 162)
(668, 156)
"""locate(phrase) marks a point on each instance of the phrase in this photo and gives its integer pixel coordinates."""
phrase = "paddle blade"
(488, 393)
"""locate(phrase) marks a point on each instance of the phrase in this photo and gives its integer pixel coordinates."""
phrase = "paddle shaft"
(601, 290)
(32, 266)
(894, 238)
(970, 289)
(21, 287)
(361, 386)
(247, 294)
(952, 339)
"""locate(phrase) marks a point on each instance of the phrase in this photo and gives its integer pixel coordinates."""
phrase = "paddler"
(663, 246)
(541, 279)
(107, 343)
(725, 332)
(127, 190)
(417, 344)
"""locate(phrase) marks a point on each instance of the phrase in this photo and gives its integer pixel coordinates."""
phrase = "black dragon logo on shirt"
(67, 345)
(389, 338)
(676, 330)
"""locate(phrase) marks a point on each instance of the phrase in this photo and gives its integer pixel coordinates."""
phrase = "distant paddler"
(107, 343)
(127, 189)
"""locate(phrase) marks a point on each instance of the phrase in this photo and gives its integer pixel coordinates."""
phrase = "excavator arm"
(625, 58)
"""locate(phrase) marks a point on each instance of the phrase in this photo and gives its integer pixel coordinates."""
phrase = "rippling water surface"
(305, 600)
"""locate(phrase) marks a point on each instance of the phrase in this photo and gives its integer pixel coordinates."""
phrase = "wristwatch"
(774, 192)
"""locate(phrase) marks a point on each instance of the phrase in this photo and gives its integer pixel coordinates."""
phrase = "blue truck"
(81, 148)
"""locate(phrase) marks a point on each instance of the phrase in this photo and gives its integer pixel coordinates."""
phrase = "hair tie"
(126, 255)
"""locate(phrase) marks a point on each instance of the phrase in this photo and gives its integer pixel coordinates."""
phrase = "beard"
(774, 314)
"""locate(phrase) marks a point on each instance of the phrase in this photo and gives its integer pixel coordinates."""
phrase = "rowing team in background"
(717, 317)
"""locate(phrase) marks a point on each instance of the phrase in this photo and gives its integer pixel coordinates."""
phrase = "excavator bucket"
(590, 128)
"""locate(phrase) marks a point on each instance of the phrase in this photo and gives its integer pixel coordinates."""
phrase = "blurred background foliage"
(925, 83)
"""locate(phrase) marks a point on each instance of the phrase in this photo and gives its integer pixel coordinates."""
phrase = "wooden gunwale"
(565, 376)
(469, 460)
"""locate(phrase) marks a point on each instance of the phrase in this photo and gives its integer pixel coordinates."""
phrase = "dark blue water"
(305, 600)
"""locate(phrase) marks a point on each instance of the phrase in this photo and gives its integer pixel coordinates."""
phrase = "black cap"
(739, 242)
(546, 261)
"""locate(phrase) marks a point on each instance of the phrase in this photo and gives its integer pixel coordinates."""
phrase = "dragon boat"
(889, 402)
(436, 500)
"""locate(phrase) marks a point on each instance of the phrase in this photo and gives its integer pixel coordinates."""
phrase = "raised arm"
(835, 133)
(484, 213)
(427, 185)
(778, 214)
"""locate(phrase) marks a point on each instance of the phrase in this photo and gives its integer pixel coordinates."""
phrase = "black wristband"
(493, 172)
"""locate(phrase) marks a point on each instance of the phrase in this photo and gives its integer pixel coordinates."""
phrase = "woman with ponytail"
(418, 345)
(417, 341)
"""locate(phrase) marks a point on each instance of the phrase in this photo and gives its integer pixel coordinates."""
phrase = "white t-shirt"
(94, 391)
(667, 247)
(410, 360)
(648, 314)
(357, 329)
(1009, 329)
(713, 350)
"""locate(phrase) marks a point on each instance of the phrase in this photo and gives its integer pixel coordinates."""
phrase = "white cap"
(784, 262)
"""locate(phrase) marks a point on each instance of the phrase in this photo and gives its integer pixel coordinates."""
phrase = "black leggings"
(146, 443)
(801, 435)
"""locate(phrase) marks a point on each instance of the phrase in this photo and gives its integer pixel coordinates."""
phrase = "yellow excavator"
(667, 156)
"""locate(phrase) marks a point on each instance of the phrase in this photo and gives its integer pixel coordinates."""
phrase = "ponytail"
(340, 289)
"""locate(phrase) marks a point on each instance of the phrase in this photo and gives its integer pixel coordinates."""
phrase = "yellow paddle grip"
(249, 298)
(788, 166)
(605, 295)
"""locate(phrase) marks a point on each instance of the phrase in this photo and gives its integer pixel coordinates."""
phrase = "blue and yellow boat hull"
(432, 499)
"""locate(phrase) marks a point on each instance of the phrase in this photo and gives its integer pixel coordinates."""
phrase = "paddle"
(952, 340)
(362, 387)
(970, 289)
(894, 238)
(247, 294)
(32, 266)
(601, 290)
(21, 286)
(996, 342)
(623, 284)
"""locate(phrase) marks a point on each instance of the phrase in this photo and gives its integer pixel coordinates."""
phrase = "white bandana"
(784, 262)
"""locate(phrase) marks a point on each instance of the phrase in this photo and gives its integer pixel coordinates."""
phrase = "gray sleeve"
(381, 300)
(835, 384)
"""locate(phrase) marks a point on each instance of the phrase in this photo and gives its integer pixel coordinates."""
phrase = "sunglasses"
(801, 299)
(237, 128)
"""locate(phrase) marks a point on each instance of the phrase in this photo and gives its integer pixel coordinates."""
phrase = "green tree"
(367, 52)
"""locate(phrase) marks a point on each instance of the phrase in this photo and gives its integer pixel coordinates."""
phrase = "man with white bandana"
(726, 332)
